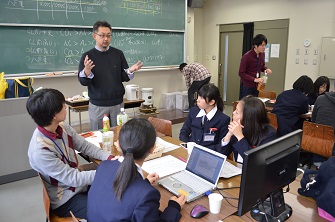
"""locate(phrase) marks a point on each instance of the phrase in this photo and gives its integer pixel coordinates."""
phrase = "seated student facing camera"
(249, 128)
(206, 124)
(119, 192)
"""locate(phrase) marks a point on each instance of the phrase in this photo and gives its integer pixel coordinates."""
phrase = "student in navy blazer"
(119, 192)
(250, 128)
(290, 104)
(206, 124)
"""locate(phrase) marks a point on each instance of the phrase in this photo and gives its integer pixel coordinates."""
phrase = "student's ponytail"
(136, 138)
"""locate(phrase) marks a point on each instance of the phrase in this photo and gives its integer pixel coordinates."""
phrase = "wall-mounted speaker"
(195, 3)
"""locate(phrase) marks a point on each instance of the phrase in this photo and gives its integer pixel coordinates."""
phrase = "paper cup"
(215, 201)
(190, 146)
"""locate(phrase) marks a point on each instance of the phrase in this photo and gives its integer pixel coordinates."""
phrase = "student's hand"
(235, 128)
(88, 65)
(181, 199)
(228, 136)
(153, 178)
(268, 71)
(136, 67)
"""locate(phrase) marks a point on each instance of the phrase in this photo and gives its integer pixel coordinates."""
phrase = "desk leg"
(69, 116)
(80, 121)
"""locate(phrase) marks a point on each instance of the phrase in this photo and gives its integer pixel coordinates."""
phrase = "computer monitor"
(266, 170)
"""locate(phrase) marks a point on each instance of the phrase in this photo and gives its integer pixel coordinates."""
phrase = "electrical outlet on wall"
(315, 61)
(306, 51)
(297, 61)
(305, 61)
(297, 52)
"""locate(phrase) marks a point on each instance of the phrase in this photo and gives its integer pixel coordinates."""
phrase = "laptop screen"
(205, 164)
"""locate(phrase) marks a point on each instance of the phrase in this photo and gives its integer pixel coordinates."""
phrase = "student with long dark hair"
(321, 85)
(206, 124)
(119, 192)
(250, 128)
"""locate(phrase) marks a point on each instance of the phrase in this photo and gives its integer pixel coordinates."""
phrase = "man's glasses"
(108, 36)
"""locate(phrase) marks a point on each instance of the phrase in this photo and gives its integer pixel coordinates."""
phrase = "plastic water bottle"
(122, 117)
(107, 140)
(265, 78)
(105, 123)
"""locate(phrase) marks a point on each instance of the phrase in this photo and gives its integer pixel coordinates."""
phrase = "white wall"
(309, 19)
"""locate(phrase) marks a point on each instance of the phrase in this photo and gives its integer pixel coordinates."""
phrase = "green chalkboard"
(37, 49)
(146, 14)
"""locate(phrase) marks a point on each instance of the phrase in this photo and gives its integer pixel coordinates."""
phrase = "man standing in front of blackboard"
(103, 69)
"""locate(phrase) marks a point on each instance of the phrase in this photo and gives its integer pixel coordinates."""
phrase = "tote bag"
(19, 87)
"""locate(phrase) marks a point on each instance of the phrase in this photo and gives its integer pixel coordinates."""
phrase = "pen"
(182, 159)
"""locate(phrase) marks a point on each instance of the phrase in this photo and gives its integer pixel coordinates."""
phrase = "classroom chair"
(317, 139)
(267, 94)
(50, 217)
(161, 125)
(272, 119)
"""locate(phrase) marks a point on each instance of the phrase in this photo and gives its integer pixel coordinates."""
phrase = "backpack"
(322, 187)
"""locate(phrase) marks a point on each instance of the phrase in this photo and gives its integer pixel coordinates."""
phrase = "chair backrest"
(267, 94)
(161, 125)
(317, 138)
(46, 200)
(272, 119)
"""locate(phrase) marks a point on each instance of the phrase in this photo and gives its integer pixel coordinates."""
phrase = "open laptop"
(202, 173)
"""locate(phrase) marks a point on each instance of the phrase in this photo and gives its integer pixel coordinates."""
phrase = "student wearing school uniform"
(321, 85)
(290, 104)
(206, 124)
(119, 192)
(250, 128)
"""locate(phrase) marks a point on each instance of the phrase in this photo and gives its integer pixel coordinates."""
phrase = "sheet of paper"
(264, 100)
(229, 170)
(164, 166)
(167, 146)
(95, 138)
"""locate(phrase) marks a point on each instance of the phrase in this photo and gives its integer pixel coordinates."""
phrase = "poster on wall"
(275, 48)
(266, 52)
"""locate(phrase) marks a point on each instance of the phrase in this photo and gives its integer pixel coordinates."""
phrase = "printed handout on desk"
(167, 146)
(229, 170)
(164, 166)
(94, 137)
(264, 100)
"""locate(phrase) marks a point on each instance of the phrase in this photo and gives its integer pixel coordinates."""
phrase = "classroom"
(308, 20)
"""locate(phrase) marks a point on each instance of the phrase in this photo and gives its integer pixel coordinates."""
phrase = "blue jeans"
(77, 204)
(244, 91)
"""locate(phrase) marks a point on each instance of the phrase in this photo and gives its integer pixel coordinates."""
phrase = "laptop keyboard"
(193, 182)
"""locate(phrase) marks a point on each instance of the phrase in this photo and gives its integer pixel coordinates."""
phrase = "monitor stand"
(274, 209)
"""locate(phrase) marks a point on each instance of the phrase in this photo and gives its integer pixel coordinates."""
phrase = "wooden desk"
(304, 208)
(82, 105)
(174, 115)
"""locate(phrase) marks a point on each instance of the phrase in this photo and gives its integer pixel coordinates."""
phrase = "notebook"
(201, 174)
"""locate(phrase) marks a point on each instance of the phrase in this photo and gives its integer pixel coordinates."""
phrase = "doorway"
(231, 40)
